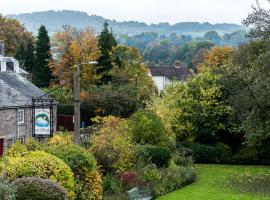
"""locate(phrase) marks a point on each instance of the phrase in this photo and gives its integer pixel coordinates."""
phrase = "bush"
(224, 153)
(130, 180)
(91, 186)
(175, 178)
(76, 157)
(246, 156)
(39, 189)
(7, 190)
(147, 128)
(17, 149)
(61, 138)
(203, 153)
(111, 185)
(152, 154)
(43, 165)
(112, 145)
(180, 160)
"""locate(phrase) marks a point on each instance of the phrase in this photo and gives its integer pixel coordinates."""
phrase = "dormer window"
(10, 66)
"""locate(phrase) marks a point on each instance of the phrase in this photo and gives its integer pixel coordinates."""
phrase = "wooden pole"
(77, 110)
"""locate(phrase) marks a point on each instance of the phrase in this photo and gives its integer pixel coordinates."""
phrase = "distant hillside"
(53, 20)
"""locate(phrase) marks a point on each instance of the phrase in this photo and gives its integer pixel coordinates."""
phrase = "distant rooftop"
(178, 72)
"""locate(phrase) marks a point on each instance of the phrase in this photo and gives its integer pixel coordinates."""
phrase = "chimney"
(2, 48)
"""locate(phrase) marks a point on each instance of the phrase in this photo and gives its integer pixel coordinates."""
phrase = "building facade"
(16, 103)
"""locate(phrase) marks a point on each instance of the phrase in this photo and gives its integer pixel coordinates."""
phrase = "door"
(1, 146)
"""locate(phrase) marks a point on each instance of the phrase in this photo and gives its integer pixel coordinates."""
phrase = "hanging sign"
(42, 121)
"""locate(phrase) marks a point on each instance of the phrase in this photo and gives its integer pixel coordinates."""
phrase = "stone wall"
(10, 130)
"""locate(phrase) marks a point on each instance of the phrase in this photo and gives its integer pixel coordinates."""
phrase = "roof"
(172, 73)
(16, 91)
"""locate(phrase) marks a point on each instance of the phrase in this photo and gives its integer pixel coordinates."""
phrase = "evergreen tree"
(106, 42)
(20, 54)
(41, 73)
(29, 56)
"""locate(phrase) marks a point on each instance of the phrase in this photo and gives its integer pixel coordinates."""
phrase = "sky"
(149, 11)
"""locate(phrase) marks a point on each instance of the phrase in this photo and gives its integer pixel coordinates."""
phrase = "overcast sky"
(149, 11)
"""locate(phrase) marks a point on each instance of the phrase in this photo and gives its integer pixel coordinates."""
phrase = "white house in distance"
(162, 76)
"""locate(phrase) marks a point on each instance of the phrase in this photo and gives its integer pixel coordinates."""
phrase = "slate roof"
(16, 91)
(172, 73)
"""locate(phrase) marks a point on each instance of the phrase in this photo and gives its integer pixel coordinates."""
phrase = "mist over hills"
(54, 20)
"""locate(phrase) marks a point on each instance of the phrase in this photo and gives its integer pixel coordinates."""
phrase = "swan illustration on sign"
(42, 120)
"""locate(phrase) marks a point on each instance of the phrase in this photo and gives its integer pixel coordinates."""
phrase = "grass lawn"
(226, 182)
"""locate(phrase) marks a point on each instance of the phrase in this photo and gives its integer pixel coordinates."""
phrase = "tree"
(71, 48)
(12, 32)
(259, 19)
(41, 73)
(129, 69)
(20, 54)
(29, 63)
(106, 43)
(246, 80)
(194, 110)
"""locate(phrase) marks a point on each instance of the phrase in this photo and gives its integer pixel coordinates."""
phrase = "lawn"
(226, 182)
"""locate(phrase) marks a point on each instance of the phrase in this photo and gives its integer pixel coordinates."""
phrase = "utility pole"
(77, 99)
(77, 109)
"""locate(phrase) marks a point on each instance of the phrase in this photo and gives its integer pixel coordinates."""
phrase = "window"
(20, 116)
(10, 66)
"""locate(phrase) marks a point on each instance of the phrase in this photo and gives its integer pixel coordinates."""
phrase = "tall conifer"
(41, 73)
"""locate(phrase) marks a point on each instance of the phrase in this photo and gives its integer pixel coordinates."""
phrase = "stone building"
(16, 103)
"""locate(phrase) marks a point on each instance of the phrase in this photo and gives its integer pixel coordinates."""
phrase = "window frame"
(21, 116)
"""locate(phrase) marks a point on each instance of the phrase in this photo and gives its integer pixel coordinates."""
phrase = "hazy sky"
(149, 11)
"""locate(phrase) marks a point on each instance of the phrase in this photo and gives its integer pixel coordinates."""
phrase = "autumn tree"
(73, 47)
(41, 73)
(12, 32)
(216, 58)
(106, 43)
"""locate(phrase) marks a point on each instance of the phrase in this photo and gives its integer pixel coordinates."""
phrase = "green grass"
(226, 182)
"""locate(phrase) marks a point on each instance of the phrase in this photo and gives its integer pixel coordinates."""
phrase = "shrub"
(246, 156)
(38, 189)
(148, 153)
(129, 180)
(17, 149)
(61, 138)
(7, 190)
(203, 153)
(76, 157)
(175, 178)
(91, 187)
(181, 160)
(147, 128)
(43, 165)
(111, 185)
(33, 145)
(112, 145)
(224, 152)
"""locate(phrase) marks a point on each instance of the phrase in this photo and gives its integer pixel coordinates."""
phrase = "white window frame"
(20, 114)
